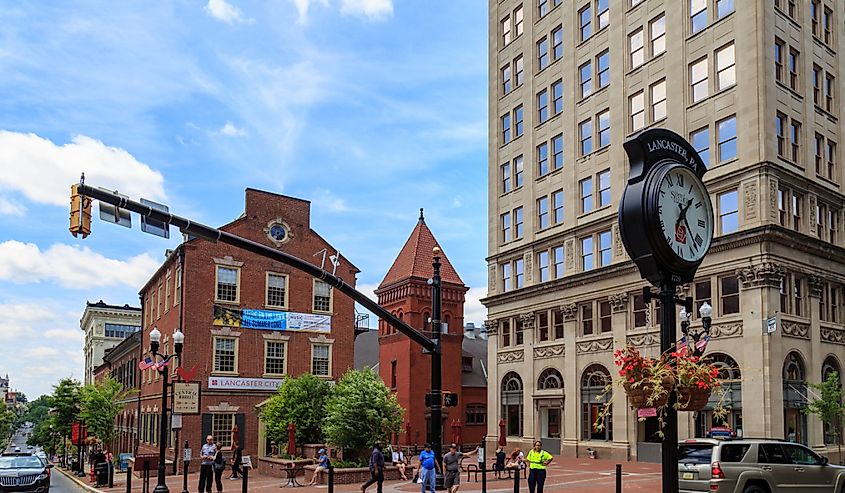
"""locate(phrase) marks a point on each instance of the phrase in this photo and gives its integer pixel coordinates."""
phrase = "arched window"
(512, 403)
(593, 382)
(829, 366)
(731, 378)
(550, 379)
(794, 398)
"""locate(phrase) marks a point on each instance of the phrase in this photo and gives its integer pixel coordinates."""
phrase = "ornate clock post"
(666, 224)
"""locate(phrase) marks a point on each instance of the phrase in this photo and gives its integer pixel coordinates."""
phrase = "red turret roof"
(414, 260)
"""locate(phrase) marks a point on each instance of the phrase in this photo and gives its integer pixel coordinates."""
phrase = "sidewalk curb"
(78, 481)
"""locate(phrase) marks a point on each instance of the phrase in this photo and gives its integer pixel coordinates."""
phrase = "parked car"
(24, 473)
(754, 466)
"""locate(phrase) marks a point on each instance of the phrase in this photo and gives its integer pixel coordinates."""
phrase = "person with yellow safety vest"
(537, 460)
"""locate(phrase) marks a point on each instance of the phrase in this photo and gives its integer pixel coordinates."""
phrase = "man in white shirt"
(209, 450)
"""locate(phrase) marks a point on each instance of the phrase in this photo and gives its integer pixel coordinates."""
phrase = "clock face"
(685, 214)
(278, 232)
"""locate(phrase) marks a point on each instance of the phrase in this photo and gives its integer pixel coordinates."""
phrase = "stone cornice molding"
(543, 352)
(527, 320)
(513, 356)
(594, 346)
(228, 261)
(492, 326)
(225, 331)
(275, 336)
(765, 274)
(816, 283)
(570, 312)
(618, 302)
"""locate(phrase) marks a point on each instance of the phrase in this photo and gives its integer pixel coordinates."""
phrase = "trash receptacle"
(74, 465)
(102, 472)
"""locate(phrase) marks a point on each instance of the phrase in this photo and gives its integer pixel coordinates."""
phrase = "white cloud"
(43, 172)
(302, 7)
(230, 130)
(9, 208)
(41, 352)
(326, 199)
(71, 266)
(226, 12)
(372, 9)
(474, 311)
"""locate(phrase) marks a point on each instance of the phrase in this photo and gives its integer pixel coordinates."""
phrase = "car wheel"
(754, 489)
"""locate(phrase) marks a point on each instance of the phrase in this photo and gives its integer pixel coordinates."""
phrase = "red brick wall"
(197, 318)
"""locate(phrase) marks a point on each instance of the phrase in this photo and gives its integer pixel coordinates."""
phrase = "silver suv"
(754, 466)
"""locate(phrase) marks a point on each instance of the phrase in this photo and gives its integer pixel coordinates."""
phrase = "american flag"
(146, 363)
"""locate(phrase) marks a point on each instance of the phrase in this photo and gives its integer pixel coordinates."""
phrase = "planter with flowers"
(647, 381)
(696, 381)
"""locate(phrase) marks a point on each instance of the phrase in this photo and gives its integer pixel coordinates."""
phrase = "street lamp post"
(155, 339)
(695, 344)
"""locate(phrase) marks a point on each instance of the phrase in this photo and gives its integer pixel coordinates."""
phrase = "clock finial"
(422, 217)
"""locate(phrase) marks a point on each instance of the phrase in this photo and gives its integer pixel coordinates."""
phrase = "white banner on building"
(237, 383)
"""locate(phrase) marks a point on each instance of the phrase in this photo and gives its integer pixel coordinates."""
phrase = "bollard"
(618, 478)
(331, 478)
(516, 480)
(129, 479)
(483, 477)
(245, 480)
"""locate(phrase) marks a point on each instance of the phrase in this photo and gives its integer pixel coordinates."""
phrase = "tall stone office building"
(755, 87)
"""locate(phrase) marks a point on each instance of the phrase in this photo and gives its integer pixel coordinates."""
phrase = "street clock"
(665, 216)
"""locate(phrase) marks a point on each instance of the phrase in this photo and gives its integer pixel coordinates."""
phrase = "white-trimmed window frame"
(315, 343)
(284, 304)
(214, 370)
(284, 343)
(237, 269)
(314, 297)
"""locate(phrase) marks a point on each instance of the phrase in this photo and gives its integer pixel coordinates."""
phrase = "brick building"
(402, 364)
(248, 321)
(121, 363)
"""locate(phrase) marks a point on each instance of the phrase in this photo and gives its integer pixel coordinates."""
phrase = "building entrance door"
(550, 428)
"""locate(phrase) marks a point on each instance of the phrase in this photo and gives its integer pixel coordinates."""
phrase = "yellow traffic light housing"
(80, 213)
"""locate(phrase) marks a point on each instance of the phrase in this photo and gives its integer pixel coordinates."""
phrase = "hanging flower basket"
(647, 394)
(693, 397)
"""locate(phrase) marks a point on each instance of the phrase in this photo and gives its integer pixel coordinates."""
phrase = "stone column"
(571, 419)
(529, 379)
(815, 427)
(494, 384)
(624, 421)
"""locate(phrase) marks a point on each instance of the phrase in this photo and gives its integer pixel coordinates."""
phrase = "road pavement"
(58, 482)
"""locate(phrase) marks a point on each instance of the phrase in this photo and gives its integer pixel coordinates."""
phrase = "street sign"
(186, 397)
(481, 457)
(114, 214)
(176, 421)
(154, 226)
(246, 461)
(771, 324)
(186, 455)
(648, 412)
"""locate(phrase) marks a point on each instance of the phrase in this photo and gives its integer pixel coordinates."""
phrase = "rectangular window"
(794, 67)
(506, 79)
(320, 360)
(506, 277)
(637, 104)
(557, 322)
(517, 223)
(605, 252)
(518, 163)
(177, 290)
(605, 317)
(818, 153)
(636, 48)
(557, 97)
(518, 121)
(658, 101)
(393, 369)
(780, 134)
(225, 357)
(322, 296)
(585, 129)
(603, 69)
(604, 128)
(698, 15)
(585, 17)
(782, 203)
(557, 151)
(519, 70)
(557, 206)
(640, 311)
(543, 7)
(604, 188)
(160, 302)
(797, 297)
(543, 212)
(506, 178)
(587, 253)
(586, 186)
(557, 42)
(167, 302)
(543, 159)
(817, 85)
(506, 227)
(585, 79)
(700, 140)
(828, 93)
(602, 13)
(543, 265)
(827, 22)
(543, 105)
(518, 333)
(726, 138)
(506, 31)
(506, 128)
(517, 21)
(703, 294)
(559, 265)
(657, 27)
(276, 290)
(587, 319)
(795, 140)
(519, 273)
(725, 67)
(724, 7)
(698, 80)
(227, 284)
(815, 12)
(780, 49)
(831, 159)
(797, 206)
(506, 333)
(221, 428)
(274, 358)
(728, 212)
(542, 53)
(729, 295)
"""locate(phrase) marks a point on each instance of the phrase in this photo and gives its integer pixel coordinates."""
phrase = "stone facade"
(105, 326)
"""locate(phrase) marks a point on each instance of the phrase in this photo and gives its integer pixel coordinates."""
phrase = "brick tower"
(402, 364)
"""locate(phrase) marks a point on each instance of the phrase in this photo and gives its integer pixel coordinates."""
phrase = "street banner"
(272, 320)
(236, 383)
(186, 397)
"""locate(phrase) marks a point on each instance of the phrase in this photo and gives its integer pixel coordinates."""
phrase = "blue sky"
(371, 109)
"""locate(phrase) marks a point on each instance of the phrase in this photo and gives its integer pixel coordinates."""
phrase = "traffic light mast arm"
(213, 234)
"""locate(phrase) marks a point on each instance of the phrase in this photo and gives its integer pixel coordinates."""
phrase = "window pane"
(701, 142)
(727, 139)
(728, 212)
(275, 290)
(227, 284)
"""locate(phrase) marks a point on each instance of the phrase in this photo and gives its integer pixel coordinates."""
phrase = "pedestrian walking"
(209, 451)
(219, 467)
(237, 460)
(452, 464)
(428, 466)
(537, 460)
(322, 465)
(376, 469)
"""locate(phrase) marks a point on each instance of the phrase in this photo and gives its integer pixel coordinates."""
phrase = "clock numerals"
(698, 205)
(669, 180)
(680, 250)
(698, 239)
(701, 223)
(680, 180)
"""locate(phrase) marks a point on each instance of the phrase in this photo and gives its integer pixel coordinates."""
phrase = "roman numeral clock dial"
(685, 214)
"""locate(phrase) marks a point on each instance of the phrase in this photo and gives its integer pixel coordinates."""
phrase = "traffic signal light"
(450, 399)
(80, 213)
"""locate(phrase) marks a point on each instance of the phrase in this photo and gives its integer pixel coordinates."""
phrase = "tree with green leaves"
(99, 407)
(828, 406)
(361, 411)
(66, 405)
(301, 401)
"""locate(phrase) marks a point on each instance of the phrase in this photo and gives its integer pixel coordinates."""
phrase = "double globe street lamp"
(693, 337)
(161, 367)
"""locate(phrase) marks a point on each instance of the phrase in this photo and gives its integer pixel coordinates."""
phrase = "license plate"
(687, 475)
